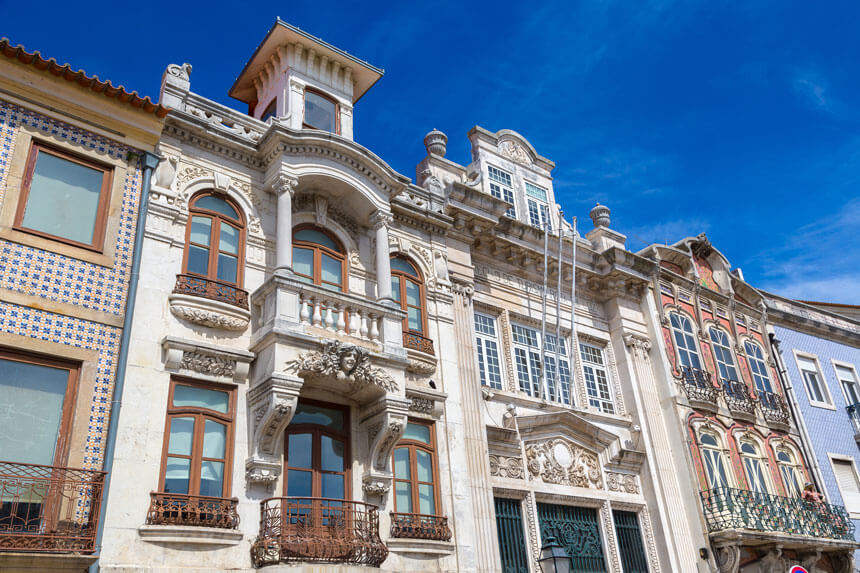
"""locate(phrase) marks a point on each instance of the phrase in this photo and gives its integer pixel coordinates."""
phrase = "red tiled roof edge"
(81, 78)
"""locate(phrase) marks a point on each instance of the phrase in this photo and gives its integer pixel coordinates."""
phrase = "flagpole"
(574, 343)
(557, 376)
(541, 391)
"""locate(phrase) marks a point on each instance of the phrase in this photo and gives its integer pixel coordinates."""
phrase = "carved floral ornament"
(344, 362)
(515, 151)
(506, 467)
(625, 483)
(559, 461)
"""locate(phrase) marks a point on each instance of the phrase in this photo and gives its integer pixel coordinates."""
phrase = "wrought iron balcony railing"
(196, 510)
(773, 407)
(49, 509)
(208, 288)
(854, 415)
(698, 385)
(728, 508)
(738, 397)
(418, 342)
(318, 530)
(417, 526)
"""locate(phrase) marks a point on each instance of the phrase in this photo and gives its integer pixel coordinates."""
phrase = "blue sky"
(739, 119)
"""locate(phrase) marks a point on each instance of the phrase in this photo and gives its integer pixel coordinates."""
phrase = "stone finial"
(175, 84)
(600, 215)
(436, 142)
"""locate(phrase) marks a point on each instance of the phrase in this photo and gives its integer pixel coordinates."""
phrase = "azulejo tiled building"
(76, 154)
(334, 367)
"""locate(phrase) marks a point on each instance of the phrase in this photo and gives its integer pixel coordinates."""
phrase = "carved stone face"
(348, 360)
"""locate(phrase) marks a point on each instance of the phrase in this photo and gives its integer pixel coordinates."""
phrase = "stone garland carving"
(208, 364)
(533, 541)
(611, 538)
(421, 405)
(515, 151)
(650, 544)
(625, 483)
(345, 362)
(562, 462)
(505, 327)
(506, 467)
(208, 318)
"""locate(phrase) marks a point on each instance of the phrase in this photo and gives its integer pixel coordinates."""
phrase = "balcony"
(738, 400)
(193, 510)
(417, 526)
(774, 410)
(854, 415)
(415, 341)
(215, 290)
(48, 509)
(318, 530)
(699, 388)
(210, 303)
(729, 510)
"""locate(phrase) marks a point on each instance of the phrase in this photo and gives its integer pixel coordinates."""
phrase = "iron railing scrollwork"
(773, 407)
(729, 508)
(417, 342)
(854, 415)
(196, 510)
(417, 526)
(208, 288)
(698, 386)
(738, 397)
(49, 509)
(320, 530)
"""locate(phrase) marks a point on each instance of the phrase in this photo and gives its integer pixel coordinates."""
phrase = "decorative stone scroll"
(560, 461)
(625, 483)
(384, 421)
(271, 405)
(202, 359)
(344, 362)
(506, 467)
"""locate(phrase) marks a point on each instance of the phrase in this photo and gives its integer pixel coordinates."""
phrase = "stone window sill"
(185, 534)
(425, 546)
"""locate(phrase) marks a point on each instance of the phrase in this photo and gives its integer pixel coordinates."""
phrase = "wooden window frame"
(323, 95)
(316, 462)
(317, 249)
(200, 416)
(421, 294)
(61, 449)
(413, 482)
(100, 223)
(214, 238)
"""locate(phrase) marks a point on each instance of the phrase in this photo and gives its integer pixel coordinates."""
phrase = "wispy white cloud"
(812, 88)
(667, 232)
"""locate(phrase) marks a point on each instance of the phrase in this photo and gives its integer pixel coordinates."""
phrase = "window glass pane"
(748, 448)
(418, 432)
(401, 463)
(413, 293)
(413, 316)
(332, 269)
(319, 112)
(424, 465)
(398, 264)
(201, 230)
(395, 288)
(332, 454)
(176, 475)
(212, 478)
(201, 398)
(63, 198)
(332, 486)
(216, 204)
(198, 260)
(318, 415)
(299, 483)
(533, 190)
(299, 450)
(214, 440)
(228, 241)
(181, 436)
(426, 500)
(31, 407)
(708, 439)
(303, 261)
(403, 497)
(316, 237)
(271, 110)
(228, 268)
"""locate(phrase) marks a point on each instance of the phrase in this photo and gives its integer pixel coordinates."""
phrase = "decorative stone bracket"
(209, 361)
(384, 421)
(271, 405)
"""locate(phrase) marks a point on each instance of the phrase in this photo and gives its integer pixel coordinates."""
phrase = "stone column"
(380, 222)
(284, 186)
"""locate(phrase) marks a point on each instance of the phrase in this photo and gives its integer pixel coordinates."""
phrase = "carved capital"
(638, 344)
(271, 405)
(381, 219)
(285, 183)
(376, 486)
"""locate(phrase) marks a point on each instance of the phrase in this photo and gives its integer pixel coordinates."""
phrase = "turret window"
(320, 112)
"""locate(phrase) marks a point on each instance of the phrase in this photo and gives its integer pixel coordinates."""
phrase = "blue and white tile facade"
(61, 278)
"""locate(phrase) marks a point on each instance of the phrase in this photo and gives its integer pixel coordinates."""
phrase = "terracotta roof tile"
(81, 78)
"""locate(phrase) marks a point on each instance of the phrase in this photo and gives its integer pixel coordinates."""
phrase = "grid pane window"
(596, 378)
(723, 353)
(487, 346)
(755, 357)
(682, 329)
(501, 187)
(527, 351)
(539, 215)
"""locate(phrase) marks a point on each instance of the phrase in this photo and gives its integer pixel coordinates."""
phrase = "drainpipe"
(806, 441)
(149, 161)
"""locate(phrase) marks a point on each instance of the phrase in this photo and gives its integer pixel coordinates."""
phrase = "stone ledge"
(426, 546)
(185, 534)
(207, 312)
(38, 562)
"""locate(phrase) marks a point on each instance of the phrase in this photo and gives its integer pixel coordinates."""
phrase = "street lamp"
(553, 558)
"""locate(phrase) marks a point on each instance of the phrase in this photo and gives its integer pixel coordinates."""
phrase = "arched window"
(215, 239)
(754, 466)
(407, 288)
(723, 354)
(714, 461)
(755, 357)
(790, 472)
(319, 258)
(685, 341)
(414, 463)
